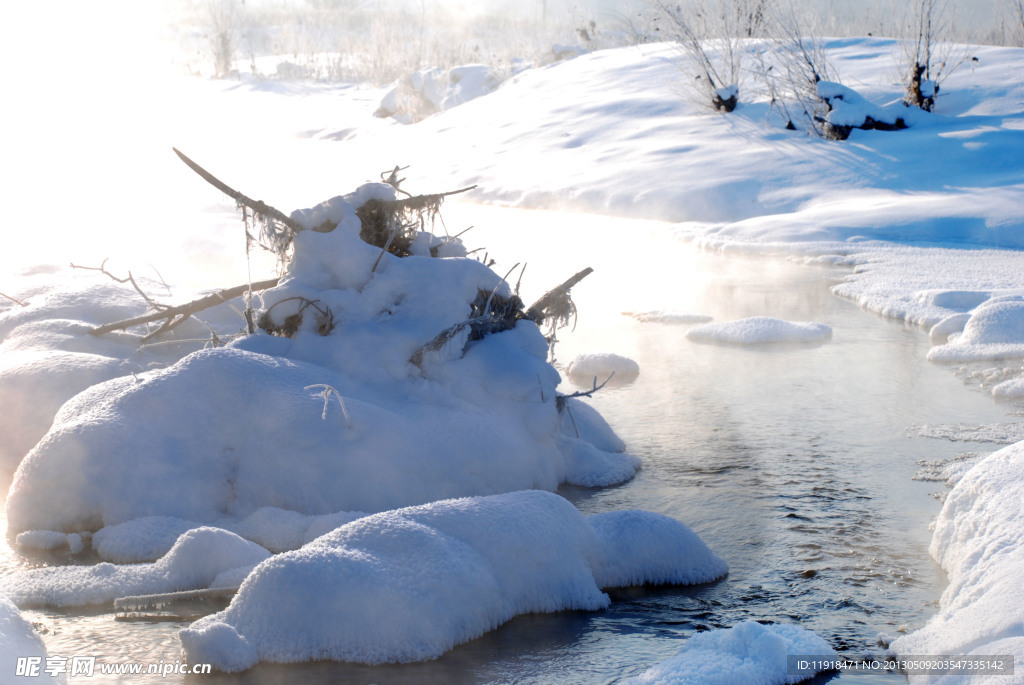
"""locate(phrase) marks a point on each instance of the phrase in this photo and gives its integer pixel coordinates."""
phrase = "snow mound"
(321, 422)
(410, 584)
(978, 540)
(994, 331)
(639, 547)
(746, 653)
(18, 639)
(143, 539)
(759, 330)
(602, 365)
(433, 90)
(196, 560)
(47, 354)
(670, 317)
(848, 108)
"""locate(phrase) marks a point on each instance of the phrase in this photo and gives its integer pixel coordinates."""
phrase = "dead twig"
(560, 400)
(102, 268)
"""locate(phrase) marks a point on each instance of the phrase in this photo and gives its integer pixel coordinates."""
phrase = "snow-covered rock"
(746, 653)
(410, 584)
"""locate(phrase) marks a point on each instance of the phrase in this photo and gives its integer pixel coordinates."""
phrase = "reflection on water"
(792, 462)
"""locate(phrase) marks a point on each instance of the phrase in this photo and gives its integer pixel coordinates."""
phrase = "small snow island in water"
(371, 463)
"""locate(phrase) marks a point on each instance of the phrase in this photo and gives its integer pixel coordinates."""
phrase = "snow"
(746, 653)
(18, 640)
(142, 445)
(977, 542)
(410, 584)
(601, 365)
(197, 560)
(995, 330)
(759, 330)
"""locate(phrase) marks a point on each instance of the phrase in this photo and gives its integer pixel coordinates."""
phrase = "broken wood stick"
(175, 315)
(536, 311)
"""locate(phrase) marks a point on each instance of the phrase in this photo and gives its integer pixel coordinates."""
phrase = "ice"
(410, 584)
(670, 317)
(746, 653)
(195, 561)
(760, 330)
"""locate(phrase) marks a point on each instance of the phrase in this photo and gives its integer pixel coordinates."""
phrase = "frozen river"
(793, 462)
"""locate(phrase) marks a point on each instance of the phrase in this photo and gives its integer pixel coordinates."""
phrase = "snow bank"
(758, 330)
(979, 541)
(746, 653)
(410, 584)
(227, 431)
(995, 330)
(601, 365)
(194, 562)
(18, 640)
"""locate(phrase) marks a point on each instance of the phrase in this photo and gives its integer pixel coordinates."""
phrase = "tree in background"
(927, 54)
(713, 34)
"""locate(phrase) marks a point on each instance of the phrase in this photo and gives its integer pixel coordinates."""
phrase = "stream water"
(794, 462)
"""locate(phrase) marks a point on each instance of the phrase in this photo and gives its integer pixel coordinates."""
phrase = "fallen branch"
(15, 301)
(176, 315)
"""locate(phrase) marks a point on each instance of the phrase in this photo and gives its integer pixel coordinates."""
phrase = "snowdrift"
(977, 541)
(410, 584)
(333, 416)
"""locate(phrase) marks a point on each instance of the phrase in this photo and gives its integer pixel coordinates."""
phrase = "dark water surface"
(794, 462)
